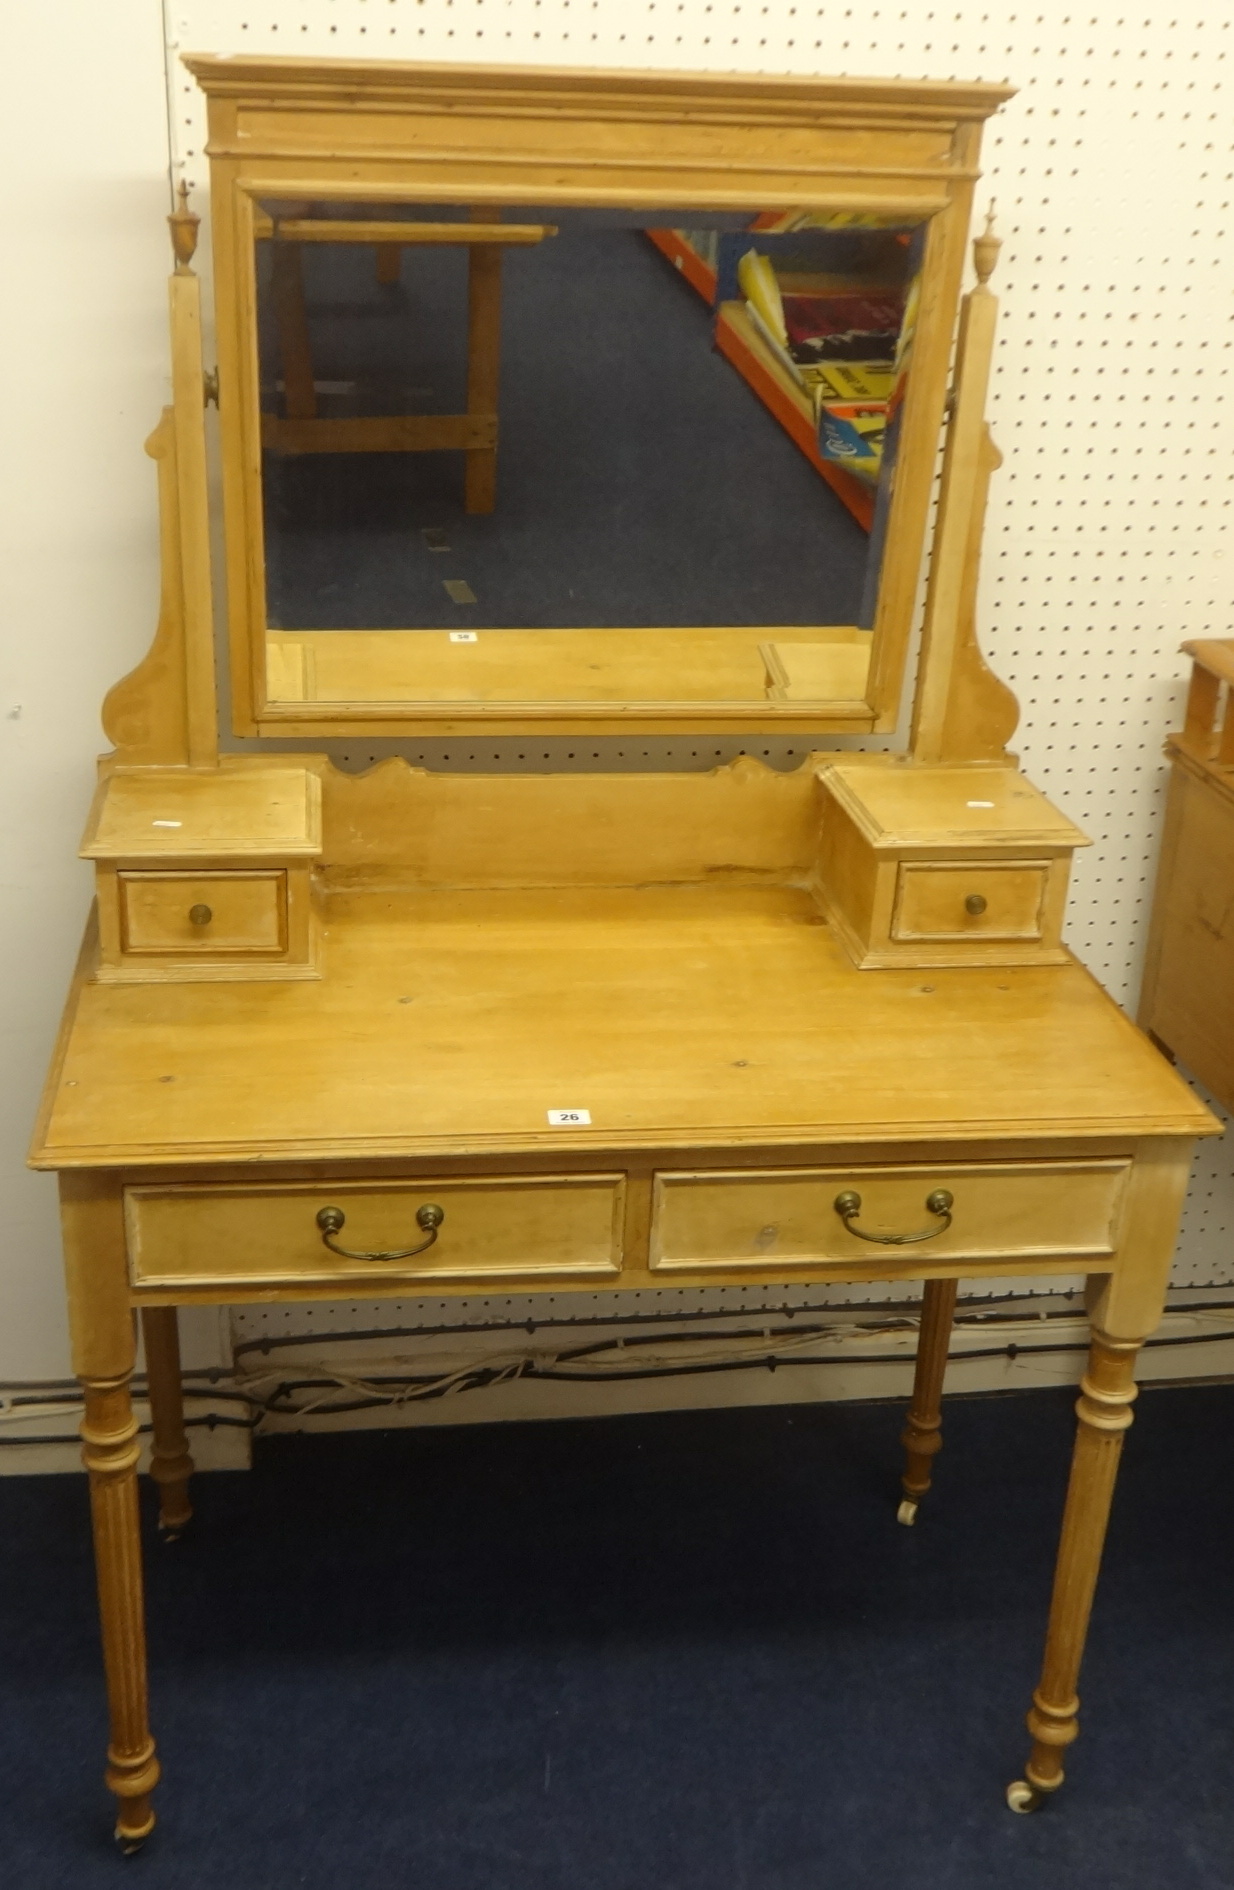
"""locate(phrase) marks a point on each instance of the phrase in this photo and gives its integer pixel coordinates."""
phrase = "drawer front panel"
(201, 914)
(538, 1226)
(782, 1218)
(976, 899)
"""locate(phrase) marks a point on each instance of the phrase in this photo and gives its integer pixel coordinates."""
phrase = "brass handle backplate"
(848, 1207)
(200, 915)
(976, 904)
(331, 1221)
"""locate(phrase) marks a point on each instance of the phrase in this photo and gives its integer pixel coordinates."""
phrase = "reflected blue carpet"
(640, 481)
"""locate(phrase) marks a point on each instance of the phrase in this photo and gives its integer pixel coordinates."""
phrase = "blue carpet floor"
(692, 1652)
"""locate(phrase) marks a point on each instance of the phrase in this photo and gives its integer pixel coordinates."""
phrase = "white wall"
(83, 373)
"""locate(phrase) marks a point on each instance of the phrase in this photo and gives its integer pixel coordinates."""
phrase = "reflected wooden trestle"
(302, 429)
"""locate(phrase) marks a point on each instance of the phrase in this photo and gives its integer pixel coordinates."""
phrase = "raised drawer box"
(206, 873)
(936, 866)
(777, 1219)
(233, 1237)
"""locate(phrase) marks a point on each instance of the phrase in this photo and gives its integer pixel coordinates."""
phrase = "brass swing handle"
(848, 1207)
(331, 1220)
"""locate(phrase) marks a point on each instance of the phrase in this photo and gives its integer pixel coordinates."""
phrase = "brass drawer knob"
(976, 904)
(331, 1221)
(200, 915)
(940, 1202)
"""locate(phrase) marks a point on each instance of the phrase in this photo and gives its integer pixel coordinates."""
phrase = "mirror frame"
(347, 130)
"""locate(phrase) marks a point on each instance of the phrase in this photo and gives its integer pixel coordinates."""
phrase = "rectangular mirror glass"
(553, 455)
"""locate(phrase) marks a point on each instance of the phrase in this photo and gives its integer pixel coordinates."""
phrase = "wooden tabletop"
(677, 1016)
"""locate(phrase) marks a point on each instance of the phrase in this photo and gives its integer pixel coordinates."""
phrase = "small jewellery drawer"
(788, 1217)
(972, 899)
(933, 866)
(537, 1226)
(203, 913)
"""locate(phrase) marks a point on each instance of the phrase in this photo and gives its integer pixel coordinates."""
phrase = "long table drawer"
(786, 1217)
(555, 1226)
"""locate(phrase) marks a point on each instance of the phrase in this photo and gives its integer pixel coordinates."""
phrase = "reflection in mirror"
(561, 455)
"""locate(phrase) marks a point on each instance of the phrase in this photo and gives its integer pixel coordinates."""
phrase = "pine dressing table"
(420, 1031)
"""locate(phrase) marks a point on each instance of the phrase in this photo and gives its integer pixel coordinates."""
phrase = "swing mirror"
(569, 456)
(637, 450)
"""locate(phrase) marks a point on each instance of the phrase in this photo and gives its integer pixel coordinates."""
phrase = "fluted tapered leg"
(171, 1466)
(110, 1452)
(1104, 1412)
(104, 1352)
(923, 1430)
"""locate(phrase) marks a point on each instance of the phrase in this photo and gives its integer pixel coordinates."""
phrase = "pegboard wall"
(1109, 538)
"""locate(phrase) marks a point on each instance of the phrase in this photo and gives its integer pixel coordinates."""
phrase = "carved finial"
(183, 223)
(985, 249)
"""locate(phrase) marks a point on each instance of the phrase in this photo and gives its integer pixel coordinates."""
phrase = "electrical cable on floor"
(604, 1361)
(906, 1315)
(597, 1363)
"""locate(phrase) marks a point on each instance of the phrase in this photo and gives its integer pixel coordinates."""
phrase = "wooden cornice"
(363, 84)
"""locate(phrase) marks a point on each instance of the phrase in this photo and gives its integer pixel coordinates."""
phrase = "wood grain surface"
(673, 1014)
